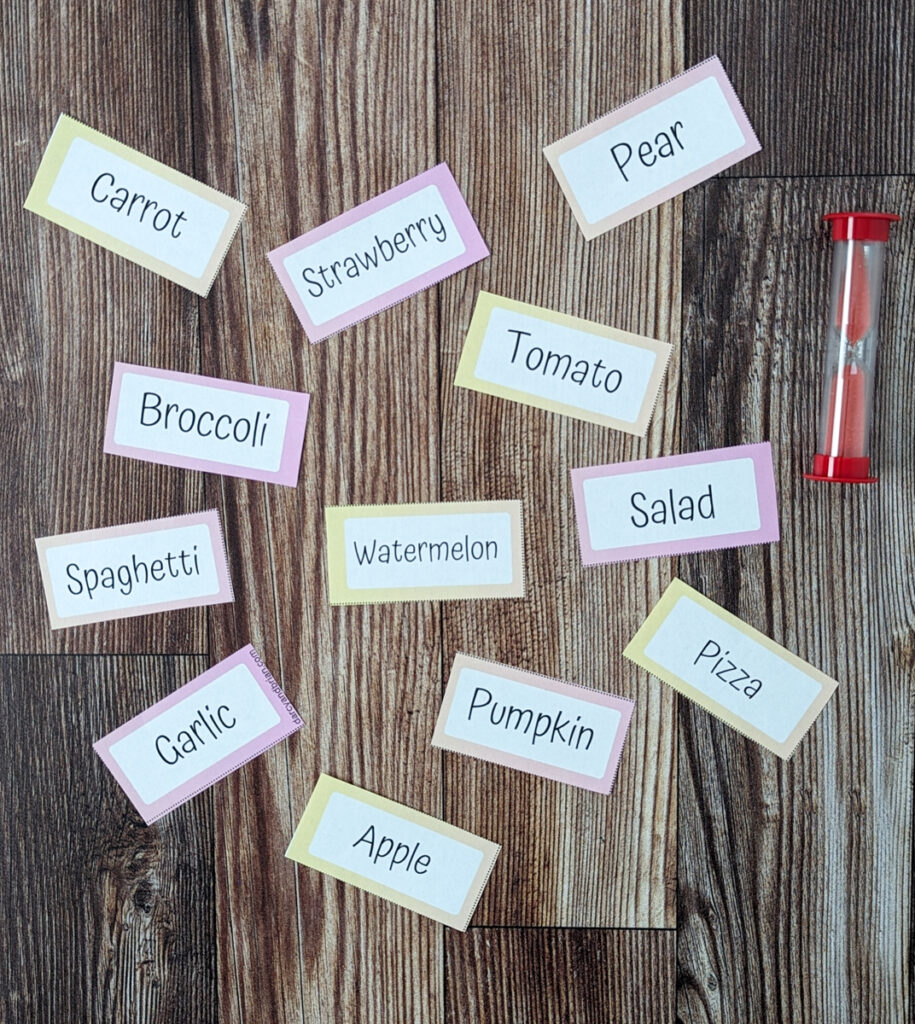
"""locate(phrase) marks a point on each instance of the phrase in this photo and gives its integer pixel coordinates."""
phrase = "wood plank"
(73, 308)
(498, 110)
(346, 121)
(105, 919)
(589, 976)
(794, 877)
(795, 880)
(826, 86)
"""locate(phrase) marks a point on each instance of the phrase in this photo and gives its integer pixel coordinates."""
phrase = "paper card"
(562, 364)
(724, 498)
(437, 552)
(533, 723)
(198, 734)
(218, 426)
(652, 148)
(133, 205)
(385, 848)
(134, 569)
(730, 669)
(378, 253)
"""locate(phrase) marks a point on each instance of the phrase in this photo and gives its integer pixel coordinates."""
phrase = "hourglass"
(847, 405)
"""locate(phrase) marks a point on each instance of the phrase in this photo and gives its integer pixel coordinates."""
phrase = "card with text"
(533, 723)
(199, 734)
(218, 426)
(134, 206)
(379, 253)
(652, 148)
(436, 552)
(730, 669)
(562, 364)
(134, 569)
(724, 498)
(385, 848)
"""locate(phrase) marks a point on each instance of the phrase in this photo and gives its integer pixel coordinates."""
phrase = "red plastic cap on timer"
(847, 405)
(861, 227)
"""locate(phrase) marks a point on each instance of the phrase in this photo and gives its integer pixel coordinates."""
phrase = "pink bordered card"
(378, 253)
(723, 498)
(199, 734)
(205, 423)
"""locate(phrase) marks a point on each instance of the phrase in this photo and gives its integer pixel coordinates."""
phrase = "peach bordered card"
(134, 569)
(533, 723)
(652, 148)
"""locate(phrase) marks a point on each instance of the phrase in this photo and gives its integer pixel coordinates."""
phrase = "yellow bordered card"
(436, 552)
(730, 669)
(385, 848)
(562, 363)
(133, 205)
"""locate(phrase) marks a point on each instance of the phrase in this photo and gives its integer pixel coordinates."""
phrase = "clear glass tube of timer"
(847, 404)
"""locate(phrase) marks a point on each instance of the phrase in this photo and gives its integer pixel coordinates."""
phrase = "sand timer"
(847, 406)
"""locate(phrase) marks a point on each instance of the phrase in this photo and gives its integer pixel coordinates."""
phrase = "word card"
(385, 848)
(535, 724)
(652, 148)
(134, 206)
(724, 498)
(437, 552)
(135, 569)
(198, 734)
(219, 426)
(378, 253)
(730, 669)
(562, 364)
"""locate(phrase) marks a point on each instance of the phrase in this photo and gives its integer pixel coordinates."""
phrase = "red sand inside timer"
(846, 411)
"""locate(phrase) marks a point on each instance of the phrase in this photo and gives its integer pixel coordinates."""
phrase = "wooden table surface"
(716, 883)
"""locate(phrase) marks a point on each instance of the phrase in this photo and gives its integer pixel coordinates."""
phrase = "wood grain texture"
(350, 90)
(502, 108)
(789, 884)
(795, 878)
(72, 308)
(827, 87)
(104, 918)
(585, 976)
